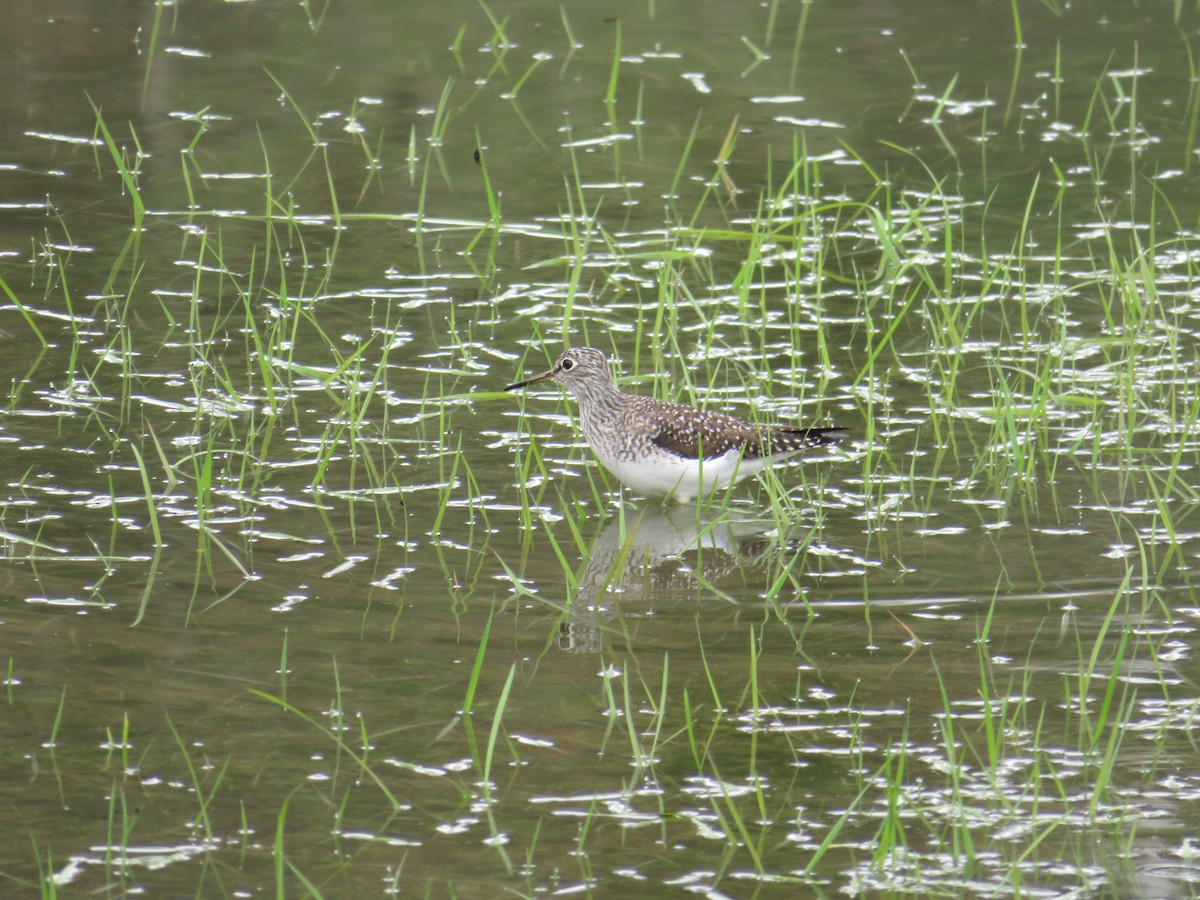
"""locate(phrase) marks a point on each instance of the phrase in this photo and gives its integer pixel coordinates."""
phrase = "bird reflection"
(659, 554)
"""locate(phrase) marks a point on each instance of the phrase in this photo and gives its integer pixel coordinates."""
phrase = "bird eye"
(568, 365)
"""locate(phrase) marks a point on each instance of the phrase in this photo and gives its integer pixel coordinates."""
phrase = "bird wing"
(689, 433)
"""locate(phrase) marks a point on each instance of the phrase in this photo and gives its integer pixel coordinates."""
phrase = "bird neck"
(595, 392)
(599, 402)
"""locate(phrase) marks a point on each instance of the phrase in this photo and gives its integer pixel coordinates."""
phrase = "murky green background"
(262, 460)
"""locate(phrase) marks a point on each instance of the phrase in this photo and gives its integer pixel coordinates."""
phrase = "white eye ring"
(568, 365)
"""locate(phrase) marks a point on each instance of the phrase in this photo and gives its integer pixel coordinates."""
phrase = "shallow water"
(394, 631)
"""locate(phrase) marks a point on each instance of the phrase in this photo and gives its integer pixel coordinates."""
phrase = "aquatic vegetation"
(300, 599)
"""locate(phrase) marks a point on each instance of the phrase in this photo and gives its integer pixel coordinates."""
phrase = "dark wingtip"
(830, 435)
(788, 440)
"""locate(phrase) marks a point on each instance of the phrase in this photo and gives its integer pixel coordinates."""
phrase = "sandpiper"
(662, 449)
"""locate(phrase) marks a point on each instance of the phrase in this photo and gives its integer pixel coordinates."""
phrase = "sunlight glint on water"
(397, 632)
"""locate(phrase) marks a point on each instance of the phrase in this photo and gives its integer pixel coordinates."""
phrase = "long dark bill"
(544, 376)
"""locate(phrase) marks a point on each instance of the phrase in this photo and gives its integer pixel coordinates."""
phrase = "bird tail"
(815, 437)
(789, 439)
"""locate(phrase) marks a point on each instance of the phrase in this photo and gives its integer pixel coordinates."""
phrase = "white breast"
(662, 474)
